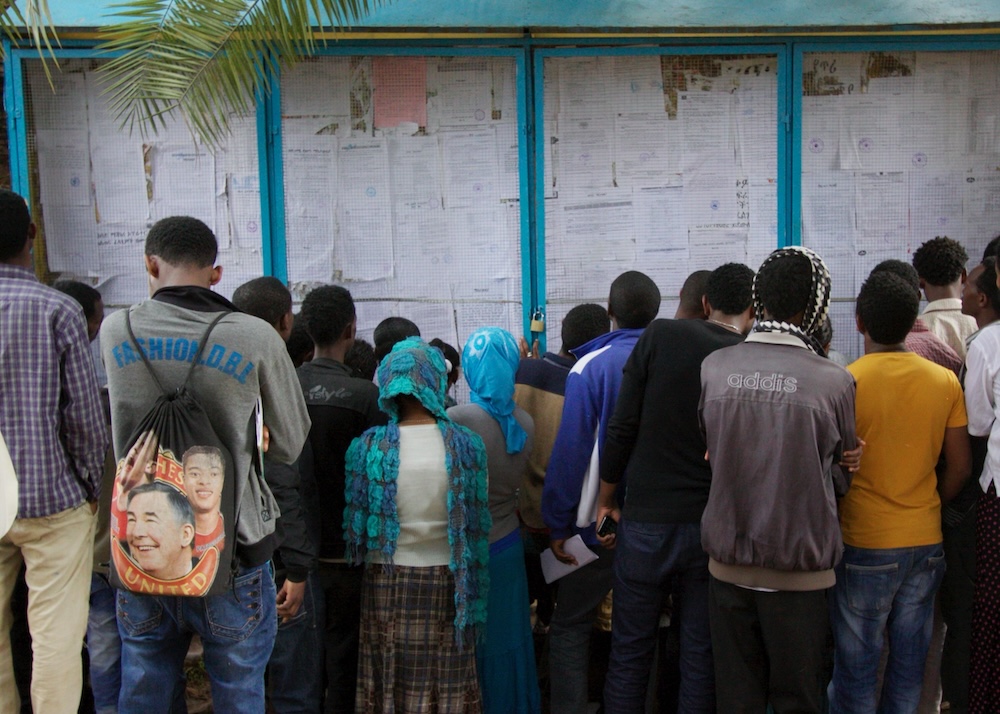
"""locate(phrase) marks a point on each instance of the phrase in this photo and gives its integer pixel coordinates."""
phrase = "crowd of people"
(819, 538)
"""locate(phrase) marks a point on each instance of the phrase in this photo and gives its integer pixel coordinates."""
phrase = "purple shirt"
(50, 407)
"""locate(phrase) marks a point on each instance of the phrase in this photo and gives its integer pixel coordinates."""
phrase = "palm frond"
(208, 59)
(36, 22)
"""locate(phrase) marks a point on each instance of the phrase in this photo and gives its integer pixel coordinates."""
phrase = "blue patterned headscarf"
(490, 360)
(371, 519)
(415, 368)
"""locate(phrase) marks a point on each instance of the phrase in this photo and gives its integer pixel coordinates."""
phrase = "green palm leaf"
(208, 59)
(36, 20)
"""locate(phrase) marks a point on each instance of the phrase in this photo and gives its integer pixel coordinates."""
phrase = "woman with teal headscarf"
(506, 659)
(417, 517)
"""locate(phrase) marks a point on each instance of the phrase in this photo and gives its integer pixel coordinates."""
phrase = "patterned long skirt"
(409, 662)
(984, 677)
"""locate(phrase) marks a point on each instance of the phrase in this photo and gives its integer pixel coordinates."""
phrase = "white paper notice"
(644, 156)
(310, 205)
(820, 133)
(183, 182)
(706, 121)
(882, 201)
(71, 239)
(116, 161)
(639, 85)
(364, 247)
(317, 87)
(459, 92)
(64, 167)
(470, 169)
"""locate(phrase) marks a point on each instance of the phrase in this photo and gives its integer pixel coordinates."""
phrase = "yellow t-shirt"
(904, 404)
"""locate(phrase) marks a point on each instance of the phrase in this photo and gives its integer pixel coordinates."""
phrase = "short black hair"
(784, 285)
(265, 297)
(179, 503)
(901, 268)
(299, 344)
(940, 261)
(183, 240)
(634, 300)
(992, 248)
(390, 331)
(729, 288)
(693, 290)
(887, 307)
(15, 220)
(361, 359)
(582, 324)
(326, 312)
(986, 282)
(450, 354)
(87, 296)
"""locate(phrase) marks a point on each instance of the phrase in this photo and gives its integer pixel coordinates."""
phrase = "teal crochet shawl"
(371, 522)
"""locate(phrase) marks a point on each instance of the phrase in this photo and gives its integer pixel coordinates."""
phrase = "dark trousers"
(341, 586)
(769, 649)
(958, 590)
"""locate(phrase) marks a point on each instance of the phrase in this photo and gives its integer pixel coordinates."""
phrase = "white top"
(422, 498)
(982, 397)
(945, 319)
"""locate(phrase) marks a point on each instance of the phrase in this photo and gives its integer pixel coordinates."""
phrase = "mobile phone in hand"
(608, 526)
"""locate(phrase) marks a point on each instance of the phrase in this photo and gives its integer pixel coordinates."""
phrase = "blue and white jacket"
(572, 480)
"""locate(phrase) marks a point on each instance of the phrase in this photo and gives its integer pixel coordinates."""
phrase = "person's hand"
(265, 439)
(289, 599)
(614, 513)
(140, 462)
(533, 352)
(558, 549)
(851, 460)
(93, 507)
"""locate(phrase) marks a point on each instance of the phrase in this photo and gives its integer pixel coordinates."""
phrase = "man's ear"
(216, 275)
(188, 535)
(705, 307)
(350, 330)
(285, 324)
(858, 321)
(152, 265)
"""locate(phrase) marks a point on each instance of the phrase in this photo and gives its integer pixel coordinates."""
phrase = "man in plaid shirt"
(51, 418)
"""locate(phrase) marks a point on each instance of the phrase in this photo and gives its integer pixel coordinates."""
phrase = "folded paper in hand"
(553, 568)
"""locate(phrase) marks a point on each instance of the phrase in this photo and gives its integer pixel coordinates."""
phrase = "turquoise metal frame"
(529, 54)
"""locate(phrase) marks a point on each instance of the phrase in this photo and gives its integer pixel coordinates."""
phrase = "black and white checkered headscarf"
(815, 312)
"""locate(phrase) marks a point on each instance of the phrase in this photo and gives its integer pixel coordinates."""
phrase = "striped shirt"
(50, 407)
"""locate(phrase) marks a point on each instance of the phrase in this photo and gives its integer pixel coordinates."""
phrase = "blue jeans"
(295, 671)
(104, 646)
(882, 590)
(236, 629)
(651, 559)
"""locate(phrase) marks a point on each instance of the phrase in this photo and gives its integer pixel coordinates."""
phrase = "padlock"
(537, 321)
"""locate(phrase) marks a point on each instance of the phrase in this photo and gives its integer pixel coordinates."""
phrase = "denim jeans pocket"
(237, 614)
(871, 588)
(301, 619)
(138, 614)
(928, 577)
